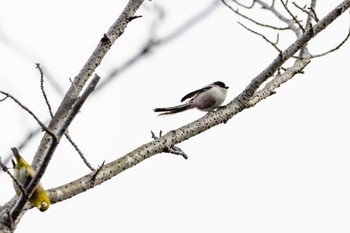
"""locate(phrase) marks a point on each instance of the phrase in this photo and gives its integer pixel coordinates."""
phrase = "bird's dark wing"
(194, 93)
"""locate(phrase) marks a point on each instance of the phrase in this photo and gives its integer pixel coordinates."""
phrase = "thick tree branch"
(71, 103)
(115, 31)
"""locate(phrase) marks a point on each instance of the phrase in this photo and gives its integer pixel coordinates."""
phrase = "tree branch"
(206, 122)
(71, 103)
(281, 17)
(63, 117)
(153, 43)
(249, 91)
(252, 20)
(334, 49)
(284, 4)
(264, 37)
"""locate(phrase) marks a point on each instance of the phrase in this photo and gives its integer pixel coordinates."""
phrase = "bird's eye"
(43, 204)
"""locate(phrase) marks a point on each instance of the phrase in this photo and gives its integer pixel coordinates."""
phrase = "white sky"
(282, 166)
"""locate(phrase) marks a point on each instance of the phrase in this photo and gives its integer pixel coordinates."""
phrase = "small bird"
(24, 173)
(205, 99)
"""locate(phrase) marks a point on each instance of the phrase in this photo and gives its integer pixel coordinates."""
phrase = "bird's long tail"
(172, 110)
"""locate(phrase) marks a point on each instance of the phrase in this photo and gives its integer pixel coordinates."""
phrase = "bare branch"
(303, 9)
(7, 95)
(334, 49)
(75, 86)
(206, 122)
(307, 10)
(71, 102)
(150, 45)
(153, 43)
(43, 90)
(290, 51)
(16, 210)
(81, 154)
(75, 109)
(262, 36)
(185, 132)
(252, 20)
(314, 15)
(280, 16)
(292, 15)
(241, 5)
(277, 81)
(75, 146)
(304, 51)
(69, 107)
(310, 16)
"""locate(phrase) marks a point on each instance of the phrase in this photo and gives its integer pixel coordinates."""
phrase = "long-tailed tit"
(206, 99)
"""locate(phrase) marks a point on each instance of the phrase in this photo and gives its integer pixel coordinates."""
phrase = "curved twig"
(334, 49)
(252, 20)
(262, 36)
(241, 5)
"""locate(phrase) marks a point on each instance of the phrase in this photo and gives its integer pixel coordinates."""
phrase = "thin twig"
(303, 9)
(241, 5)
(311, 11)
(30, 113)
(82, 156)
(262, 36)
(74, 111)
(308, 23)
(334, 49)
(304, 51)
(79, 103)
(3, 99)
(314, 14)
(292, 15)
(280, 16)
(97, 171)
(43, 90)
(252, 20)
(75, 146)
